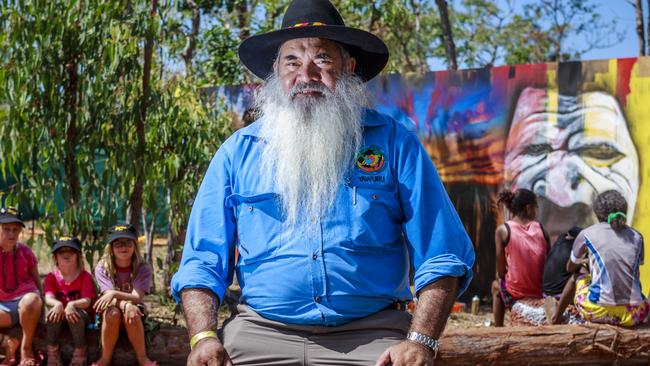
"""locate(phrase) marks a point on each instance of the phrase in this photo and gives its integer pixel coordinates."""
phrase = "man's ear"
(352, 62)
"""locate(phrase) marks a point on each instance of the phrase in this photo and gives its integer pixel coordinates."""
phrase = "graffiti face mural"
(567, 131)
(568, 149)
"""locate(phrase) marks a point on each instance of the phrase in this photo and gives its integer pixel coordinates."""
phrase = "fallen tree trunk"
(588, 344)
(169, 346)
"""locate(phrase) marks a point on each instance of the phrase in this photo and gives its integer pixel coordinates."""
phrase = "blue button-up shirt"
(392, 210)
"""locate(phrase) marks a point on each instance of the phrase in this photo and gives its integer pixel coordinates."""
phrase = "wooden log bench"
(588, 344)
(167, 345)
(583, 345)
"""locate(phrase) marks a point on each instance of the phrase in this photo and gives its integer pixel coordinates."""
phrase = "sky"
(619, 10)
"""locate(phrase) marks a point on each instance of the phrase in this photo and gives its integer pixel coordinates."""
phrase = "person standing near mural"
(521, 248)
(328, 203)
(567, 149)
(611, 293)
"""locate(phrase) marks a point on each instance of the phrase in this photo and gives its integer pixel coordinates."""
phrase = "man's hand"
(406, 353)
(209, 352)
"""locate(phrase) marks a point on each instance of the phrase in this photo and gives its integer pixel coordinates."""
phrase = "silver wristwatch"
(423, 340)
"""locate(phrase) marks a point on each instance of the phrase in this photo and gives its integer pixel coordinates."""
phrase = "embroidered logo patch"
(371, 159)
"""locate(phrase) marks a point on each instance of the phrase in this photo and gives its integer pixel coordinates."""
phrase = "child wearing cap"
(20, 288)
(123, 278)
(69, 292)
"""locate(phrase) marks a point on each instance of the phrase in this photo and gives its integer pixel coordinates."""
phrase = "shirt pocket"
(375, 217)
(259, 224)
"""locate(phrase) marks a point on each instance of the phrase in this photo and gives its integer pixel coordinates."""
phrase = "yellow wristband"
(200, 335)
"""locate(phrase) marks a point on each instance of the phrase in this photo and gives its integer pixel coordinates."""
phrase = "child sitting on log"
(123, 278)
(611, 292)
(20, 289)
(69, 293)
(521, 248)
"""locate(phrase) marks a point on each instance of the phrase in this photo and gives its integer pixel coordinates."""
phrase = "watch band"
(424, 340)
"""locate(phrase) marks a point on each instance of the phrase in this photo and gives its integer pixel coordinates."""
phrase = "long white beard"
(310, 142)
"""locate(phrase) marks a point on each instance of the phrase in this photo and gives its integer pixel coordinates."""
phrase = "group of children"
(596, 269)
(70, 295)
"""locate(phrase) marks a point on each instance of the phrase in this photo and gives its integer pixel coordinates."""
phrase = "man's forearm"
(434, 305)
(200, 308)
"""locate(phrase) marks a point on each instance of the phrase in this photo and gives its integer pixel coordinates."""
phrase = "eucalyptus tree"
(67, 89)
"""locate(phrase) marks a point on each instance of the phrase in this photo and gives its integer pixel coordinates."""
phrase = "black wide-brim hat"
(319, 19)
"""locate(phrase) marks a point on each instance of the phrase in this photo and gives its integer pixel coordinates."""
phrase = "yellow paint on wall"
(638, 116)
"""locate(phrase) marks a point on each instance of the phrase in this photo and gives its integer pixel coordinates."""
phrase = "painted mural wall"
(567, 131)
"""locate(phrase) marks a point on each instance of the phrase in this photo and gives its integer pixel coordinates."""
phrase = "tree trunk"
(188, 52)
(242, 20)
(148, 240)
(135, 201)
(175, 239)
(639, 27)
(447, 36)
(71, 93)
(149, 229)
(588, 344)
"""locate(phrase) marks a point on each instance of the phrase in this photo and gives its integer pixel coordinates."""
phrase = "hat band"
(307, 24)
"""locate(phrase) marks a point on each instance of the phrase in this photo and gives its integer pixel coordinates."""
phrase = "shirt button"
(317, 299)
(314, 256)
(250, 208)
(375, 196)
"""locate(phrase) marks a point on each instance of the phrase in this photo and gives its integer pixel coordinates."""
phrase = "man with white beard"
(329, 204)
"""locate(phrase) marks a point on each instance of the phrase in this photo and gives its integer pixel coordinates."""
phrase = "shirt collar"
(371, 118)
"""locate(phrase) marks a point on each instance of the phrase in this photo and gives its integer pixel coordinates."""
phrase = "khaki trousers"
(253, 340)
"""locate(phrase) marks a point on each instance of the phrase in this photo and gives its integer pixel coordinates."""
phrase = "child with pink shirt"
(69, 293)
(20, 288)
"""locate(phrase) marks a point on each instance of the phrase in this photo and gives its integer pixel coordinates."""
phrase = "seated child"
(123, 279)
(521, 247)
(557, 278)
(611, 292)
(69, 292)
(20, 289)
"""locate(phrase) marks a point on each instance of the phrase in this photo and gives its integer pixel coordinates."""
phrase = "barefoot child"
(69, 292)
(20, 288)
(123, 278)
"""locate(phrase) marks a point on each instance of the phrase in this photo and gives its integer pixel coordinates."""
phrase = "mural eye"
(602, 151)
(537, 149)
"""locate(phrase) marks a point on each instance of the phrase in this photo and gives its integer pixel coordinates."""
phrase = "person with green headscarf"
(611, 292)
